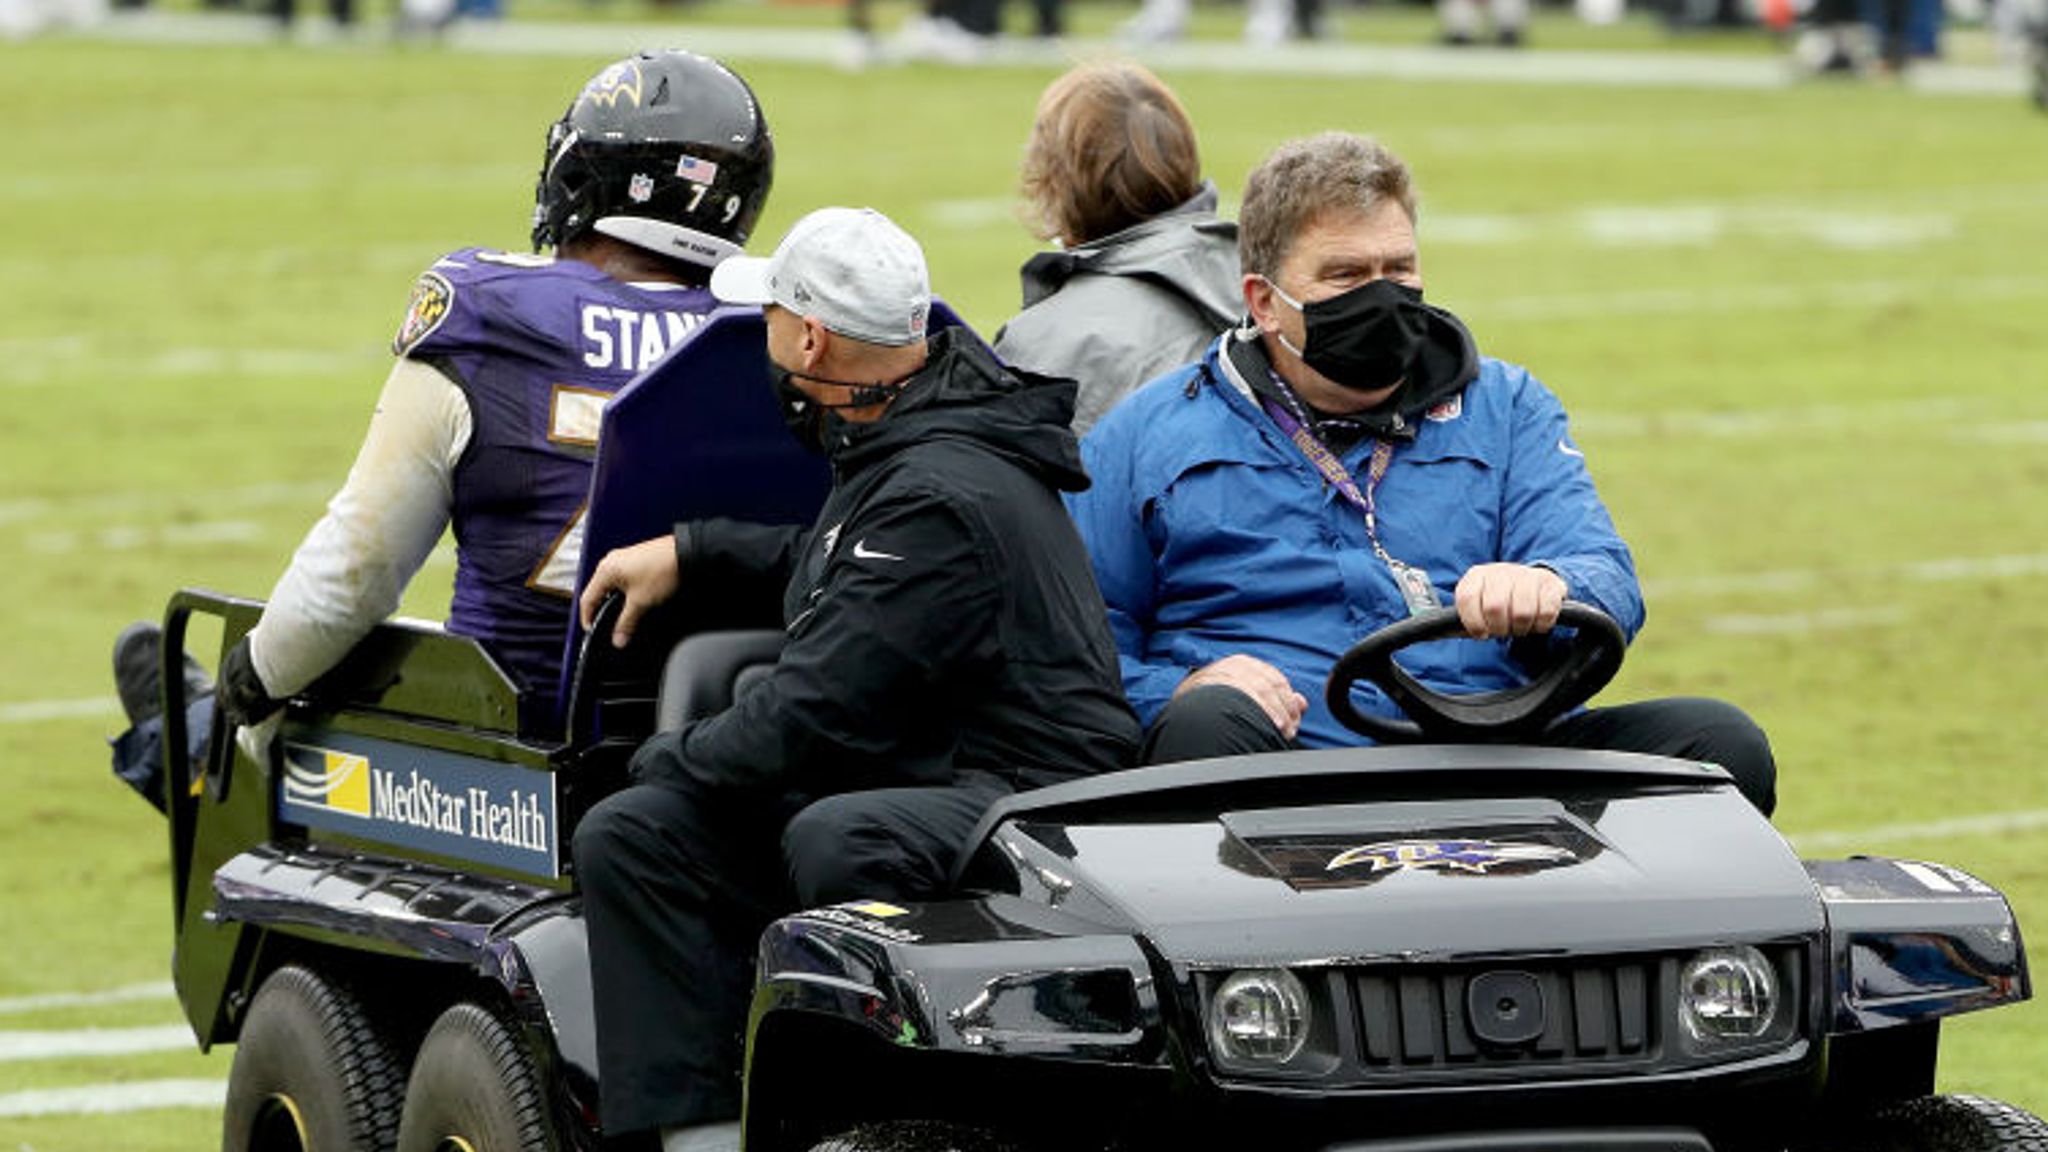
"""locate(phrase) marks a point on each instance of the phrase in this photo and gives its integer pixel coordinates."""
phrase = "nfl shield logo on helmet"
(641, 189)
(1447, 411)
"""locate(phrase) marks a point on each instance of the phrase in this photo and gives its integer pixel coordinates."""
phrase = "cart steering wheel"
(1581, 666)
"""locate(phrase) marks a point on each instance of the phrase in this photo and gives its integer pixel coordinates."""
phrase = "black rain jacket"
(942, 614)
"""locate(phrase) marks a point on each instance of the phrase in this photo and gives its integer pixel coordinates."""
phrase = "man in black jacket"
(946, 645)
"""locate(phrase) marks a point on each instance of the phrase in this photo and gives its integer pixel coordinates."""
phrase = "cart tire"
(312, 1073)
(1956, 1124)
(474, 1089)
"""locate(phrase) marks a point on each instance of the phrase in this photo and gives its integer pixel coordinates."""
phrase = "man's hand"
(1502, 600)
(1259, 680)
(645, 572)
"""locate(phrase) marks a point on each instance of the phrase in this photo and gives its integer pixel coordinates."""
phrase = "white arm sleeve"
(352, 569)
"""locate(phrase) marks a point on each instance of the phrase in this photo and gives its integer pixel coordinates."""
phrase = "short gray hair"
(1304, 179)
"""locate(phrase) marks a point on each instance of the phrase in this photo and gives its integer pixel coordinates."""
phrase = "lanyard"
(1414, 584)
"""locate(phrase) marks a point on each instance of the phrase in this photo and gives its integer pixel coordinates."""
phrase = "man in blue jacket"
(1345, 459)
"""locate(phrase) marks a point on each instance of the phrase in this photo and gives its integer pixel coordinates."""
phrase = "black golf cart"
(1451, 944)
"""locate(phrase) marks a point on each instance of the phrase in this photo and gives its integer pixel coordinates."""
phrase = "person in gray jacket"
(1145, 275)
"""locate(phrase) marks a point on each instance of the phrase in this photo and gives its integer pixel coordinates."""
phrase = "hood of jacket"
(1167, 248)
(1448, 361)
(963, 392)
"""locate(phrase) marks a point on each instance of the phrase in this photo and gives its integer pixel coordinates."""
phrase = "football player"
(657, 171)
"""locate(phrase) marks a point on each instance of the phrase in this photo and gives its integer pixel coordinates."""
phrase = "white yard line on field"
(127, 993)
(1960, 417)
(128, 537)
(1989, 824)
(1801, 623)
(2025, 432)
(127, 503)
(1693, 302)
(127, 1096)
(1960, 569)
(186, 363)
(37, 711)
(15, 1046)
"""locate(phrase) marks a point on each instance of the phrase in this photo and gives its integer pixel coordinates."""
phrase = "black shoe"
(1508, 37)
(138, 672)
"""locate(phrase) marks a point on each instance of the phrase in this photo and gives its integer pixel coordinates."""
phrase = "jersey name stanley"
(538, 346)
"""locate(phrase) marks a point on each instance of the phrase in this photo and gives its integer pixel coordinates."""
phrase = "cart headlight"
(1259, 1016)
(1728, 994)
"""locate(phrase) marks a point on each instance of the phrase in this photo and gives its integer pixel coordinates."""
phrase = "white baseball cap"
(851, 269)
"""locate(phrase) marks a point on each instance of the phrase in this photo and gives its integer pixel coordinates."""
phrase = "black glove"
(242, 694)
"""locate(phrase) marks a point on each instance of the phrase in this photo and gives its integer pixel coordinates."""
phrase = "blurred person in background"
(1266, 22)
(1833, 43)
(1145, 275)
(343, 12)
(956, 31)
(488, 420)
(2019, 27)
(1460, 21)
(1343, 461)
(21, 19)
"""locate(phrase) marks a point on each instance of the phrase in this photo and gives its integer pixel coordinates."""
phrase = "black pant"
(1217, 720)
(678, 884)
(343, 11)
(139, 752)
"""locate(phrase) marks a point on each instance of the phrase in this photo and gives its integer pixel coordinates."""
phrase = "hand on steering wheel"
(1588, 659)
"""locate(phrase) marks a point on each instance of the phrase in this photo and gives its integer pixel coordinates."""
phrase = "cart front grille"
(1595, 1013)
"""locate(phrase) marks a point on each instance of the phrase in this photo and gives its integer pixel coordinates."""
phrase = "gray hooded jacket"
(1118, 311)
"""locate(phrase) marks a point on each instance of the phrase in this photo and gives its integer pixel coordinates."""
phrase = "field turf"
(1800, 332)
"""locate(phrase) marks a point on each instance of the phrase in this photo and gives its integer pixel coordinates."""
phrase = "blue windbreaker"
(1213, 535)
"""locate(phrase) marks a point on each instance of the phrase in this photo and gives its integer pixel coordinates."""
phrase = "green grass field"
(1800, 332)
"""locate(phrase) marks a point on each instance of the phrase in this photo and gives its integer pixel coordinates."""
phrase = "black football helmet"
(664, 150)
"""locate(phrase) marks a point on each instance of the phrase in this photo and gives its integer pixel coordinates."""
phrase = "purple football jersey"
(538, 346)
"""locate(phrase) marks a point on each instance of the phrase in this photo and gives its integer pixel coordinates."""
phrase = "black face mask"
(814, 423)
(804, 417)
(1363, 339)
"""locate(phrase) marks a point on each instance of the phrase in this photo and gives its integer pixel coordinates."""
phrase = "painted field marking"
(159, 185)
(1949, 571)
(1696, 225)
(17, 1046)
(119, 1096)
(2025, 432)
(1802, 623)
(128, 503)
(38, 711)
(1990, 824)
(1802, 420)
(182, 363)
(1683, 301)
(128, 538)
(125, 994)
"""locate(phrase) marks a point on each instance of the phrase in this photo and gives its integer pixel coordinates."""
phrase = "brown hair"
(1304, 179)
(1111, 147)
